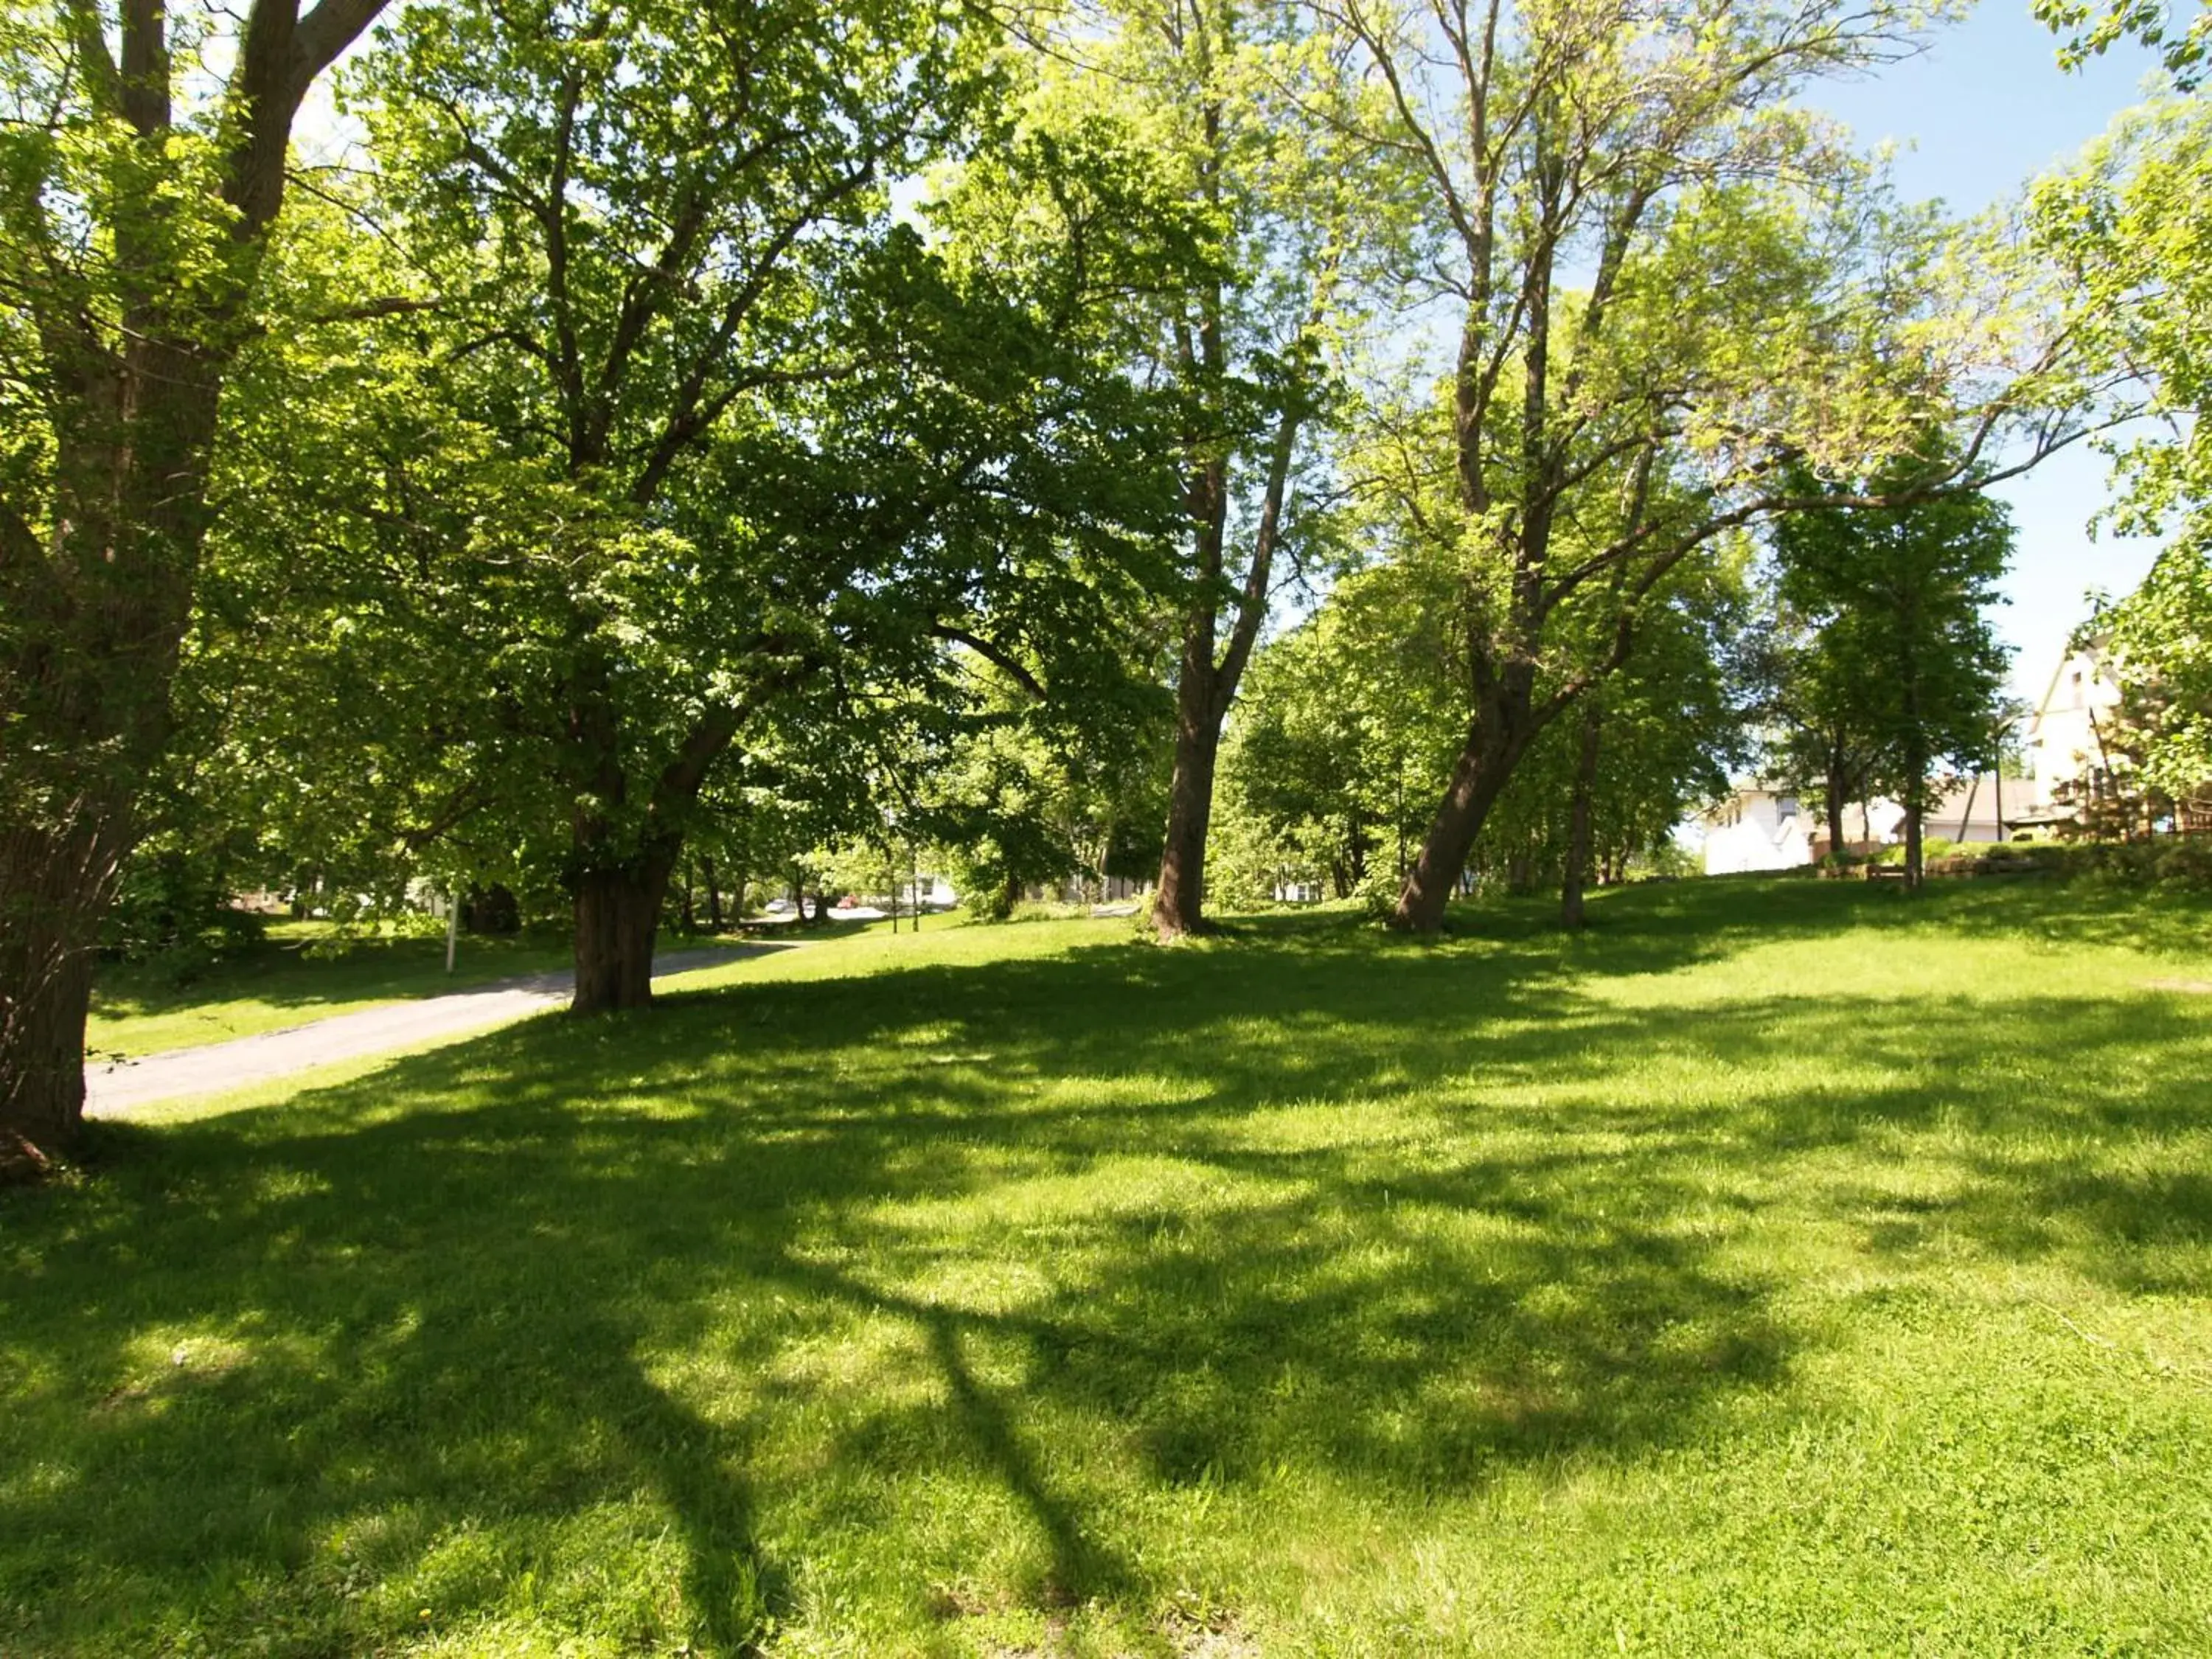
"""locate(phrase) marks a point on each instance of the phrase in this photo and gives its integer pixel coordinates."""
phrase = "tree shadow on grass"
(612, 1329)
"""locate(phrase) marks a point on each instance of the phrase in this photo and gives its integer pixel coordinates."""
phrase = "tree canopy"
(781, 435)
(2132, 226)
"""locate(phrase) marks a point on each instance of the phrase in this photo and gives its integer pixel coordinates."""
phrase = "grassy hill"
(1780, 1267)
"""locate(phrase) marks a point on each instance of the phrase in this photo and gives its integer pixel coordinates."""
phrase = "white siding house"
(1758, 828)
(2065, 745)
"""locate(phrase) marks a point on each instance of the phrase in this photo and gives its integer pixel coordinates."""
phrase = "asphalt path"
(115, 1090)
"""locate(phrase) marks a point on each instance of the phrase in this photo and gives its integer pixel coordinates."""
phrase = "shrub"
(2173, 861)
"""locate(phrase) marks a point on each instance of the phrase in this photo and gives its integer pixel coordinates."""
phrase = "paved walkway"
(115, 1090)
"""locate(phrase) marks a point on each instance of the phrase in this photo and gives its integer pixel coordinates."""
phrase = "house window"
(1787, 805)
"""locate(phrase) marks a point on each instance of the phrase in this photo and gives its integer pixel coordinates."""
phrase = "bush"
(1378, 892)
(2176, 862)
(175, 909)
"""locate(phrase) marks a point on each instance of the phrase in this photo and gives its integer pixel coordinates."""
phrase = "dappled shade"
(1001, 1288)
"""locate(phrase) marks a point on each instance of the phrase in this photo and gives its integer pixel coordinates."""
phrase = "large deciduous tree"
(142, 159)
(654, 223)
(1668, 284)
(705, 445)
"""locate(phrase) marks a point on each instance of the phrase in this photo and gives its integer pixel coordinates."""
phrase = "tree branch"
(997, 656)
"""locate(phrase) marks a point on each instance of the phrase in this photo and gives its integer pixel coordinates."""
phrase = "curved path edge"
(114, 1091)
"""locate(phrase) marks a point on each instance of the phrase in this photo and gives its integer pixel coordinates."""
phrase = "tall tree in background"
(1898, 599)
(1228, 103)
(1816, 704)
(1343, 737)
(1662, 271)
(142, 167)
(1657, 736)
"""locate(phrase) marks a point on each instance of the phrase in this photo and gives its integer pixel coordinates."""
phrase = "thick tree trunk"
(1578, 822)
(86, 663)
(617, 916)
(52, 892)
(1494, 745)
(1179, 906)
(1477, 781)
(91, 616)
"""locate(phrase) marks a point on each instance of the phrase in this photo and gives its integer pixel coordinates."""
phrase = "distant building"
(2066, 737)
(1987, 807)
(1757, 829)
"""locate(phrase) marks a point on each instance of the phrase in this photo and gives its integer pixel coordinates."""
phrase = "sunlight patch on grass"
(1782, 1267)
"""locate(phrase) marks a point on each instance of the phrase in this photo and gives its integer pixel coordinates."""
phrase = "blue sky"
(1983, 111)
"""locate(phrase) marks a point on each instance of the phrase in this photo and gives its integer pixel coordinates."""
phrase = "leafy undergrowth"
(1780, 1268)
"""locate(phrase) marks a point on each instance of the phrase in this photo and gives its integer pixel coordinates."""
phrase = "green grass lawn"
(303, 971)
(1780, 1268)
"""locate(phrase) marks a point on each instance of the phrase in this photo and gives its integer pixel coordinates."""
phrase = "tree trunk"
(1578, 822)
(52, 889)
(92, 625)
(91, 616)
(1494, 746)
(1179, 906)
(617, 915)
(714, 894)
(1916, 812)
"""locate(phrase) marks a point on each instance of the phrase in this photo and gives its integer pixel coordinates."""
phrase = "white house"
(1985, 808)
(2065, 740)
(1761, 829)
(1758, 828)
